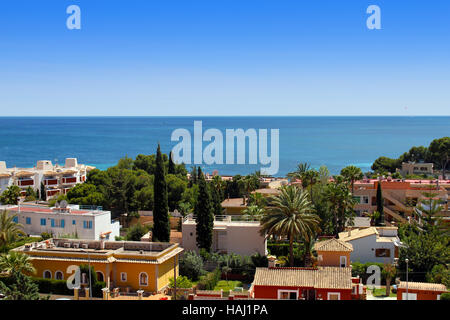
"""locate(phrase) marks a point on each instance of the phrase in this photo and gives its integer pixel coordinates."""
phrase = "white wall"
(364, 250)
(100, 223)
(240, 239)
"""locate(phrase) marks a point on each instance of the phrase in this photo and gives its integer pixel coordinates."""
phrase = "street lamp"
(407, 260)
(89, 263)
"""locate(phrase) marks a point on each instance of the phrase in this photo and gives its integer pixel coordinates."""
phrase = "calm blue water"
(100, 141)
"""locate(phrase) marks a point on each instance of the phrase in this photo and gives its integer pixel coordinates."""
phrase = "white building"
(87, 222)
(374, 244)
(238, 236)
(56, 178)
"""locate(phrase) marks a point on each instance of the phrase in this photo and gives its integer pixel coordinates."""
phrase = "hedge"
(60, 287)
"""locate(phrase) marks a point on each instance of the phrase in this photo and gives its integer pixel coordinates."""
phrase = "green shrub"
(182, 282)
(191, 265)
(445, 296)
(210, 280)
(53, 286)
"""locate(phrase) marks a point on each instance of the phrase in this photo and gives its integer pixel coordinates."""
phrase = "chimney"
(102, 242)
(272, 261)
(349, 232)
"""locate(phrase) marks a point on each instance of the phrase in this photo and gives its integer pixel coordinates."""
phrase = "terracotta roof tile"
(422, 286)
(333, 245)
(322, 277)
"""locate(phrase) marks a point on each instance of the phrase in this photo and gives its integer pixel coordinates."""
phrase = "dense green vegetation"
(438, 153)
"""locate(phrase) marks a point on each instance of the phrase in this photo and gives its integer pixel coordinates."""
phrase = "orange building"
(333, 253)
(400, 196)
(131, 265)
(420, 291)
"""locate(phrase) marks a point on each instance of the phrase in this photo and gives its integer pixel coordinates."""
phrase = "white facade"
(71, 222)
(372, 244)
(240, 237)
(56, 179)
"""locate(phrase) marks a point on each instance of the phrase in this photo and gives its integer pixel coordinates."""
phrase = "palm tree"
(16, 261)
(389, 272)
(9, 230)
(253, 211)
(309, 253)
(352, 174)
(341, 203)
(291, 215)
(250, 183)
(301, 169)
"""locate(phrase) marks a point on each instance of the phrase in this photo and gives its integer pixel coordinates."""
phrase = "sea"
(335, 142)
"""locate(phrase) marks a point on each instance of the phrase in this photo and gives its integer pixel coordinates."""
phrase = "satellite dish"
(63, 204)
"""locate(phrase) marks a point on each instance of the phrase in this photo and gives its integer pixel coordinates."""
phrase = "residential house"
(321, 283)
(130, 265)
(230, 234)
(85, 222)
(333, 253)
(374, 244)
(420, 291)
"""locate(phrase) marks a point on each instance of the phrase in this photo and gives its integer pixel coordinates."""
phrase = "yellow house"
(133, 265)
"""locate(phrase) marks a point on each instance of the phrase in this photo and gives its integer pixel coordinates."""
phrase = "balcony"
(25, 182)
(69, 180)
(51, 182)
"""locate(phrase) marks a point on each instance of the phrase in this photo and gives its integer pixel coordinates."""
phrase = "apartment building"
(127, 265)
(84, 222)
(55, 178)
(400, 196)
(230, 234)
(419, 168)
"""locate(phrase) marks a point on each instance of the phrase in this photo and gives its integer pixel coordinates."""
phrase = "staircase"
(394, 215)
(398, 203)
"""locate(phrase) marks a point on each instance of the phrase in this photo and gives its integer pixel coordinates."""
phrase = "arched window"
(59, 275)
(143, 279)
(47, 274)
(100, 276)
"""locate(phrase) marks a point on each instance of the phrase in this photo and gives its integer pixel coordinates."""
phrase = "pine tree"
(21, 287)
(161, 225)
(380, 204)
(204, 214)
(171, 164)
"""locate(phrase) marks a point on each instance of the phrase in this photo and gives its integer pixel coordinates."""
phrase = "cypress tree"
(43, 193)
(380, 204)
(171, 164)
(161, 225)
(204, 214)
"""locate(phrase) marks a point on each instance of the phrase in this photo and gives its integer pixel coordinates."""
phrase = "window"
(143, 279)
(59, 275)
(343, 261)
(74, 222)
(100, 276)
(58, 223)
(28, 220)
(334, 296)
(287, 294)
(87, 224)
(16, 219)
(364, 199)
(123, 276)
(380, 253)
(43, 222)
(47, 274)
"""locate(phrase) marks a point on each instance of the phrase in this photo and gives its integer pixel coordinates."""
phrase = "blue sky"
(217, 57)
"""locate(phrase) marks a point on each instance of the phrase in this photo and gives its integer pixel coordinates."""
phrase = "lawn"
(381, 292)
(227, 285)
